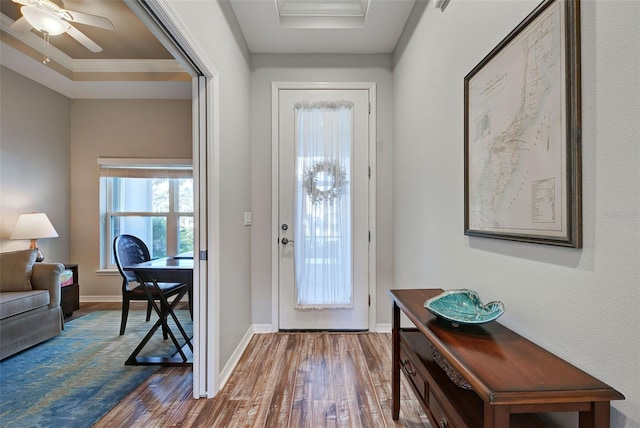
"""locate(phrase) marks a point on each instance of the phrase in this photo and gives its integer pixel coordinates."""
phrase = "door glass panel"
(323, 254)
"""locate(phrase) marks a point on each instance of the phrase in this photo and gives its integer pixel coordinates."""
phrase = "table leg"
(598, 417)
(395, 363)
(179, 325)
(167, 309)
(496, 416)
(163, 312)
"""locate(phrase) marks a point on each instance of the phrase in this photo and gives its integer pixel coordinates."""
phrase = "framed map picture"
(522, 132)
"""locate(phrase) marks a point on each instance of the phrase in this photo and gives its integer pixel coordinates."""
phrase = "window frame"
(171, 169)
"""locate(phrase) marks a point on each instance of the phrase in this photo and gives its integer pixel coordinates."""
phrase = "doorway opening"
(157, 17)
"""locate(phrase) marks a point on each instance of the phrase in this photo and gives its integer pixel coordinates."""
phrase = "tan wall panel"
(115, 128)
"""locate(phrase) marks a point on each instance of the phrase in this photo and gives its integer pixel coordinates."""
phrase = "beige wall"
(581, 304)
(115, 128)
(34, 161)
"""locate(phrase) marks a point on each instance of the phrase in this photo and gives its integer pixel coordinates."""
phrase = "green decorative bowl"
(463, 307)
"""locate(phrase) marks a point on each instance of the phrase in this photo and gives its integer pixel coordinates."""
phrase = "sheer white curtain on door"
(322, 205)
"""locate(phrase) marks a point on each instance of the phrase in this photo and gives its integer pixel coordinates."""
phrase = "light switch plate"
(247, 218)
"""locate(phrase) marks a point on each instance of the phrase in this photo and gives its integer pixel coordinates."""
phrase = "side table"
(509, 380)
(70, 292)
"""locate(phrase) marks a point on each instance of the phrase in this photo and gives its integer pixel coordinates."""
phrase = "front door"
(323, 209)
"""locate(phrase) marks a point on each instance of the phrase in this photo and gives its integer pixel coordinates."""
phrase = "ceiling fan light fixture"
(44, 20)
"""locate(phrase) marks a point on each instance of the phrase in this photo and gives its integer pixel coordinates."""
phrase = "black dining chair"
(129, 250)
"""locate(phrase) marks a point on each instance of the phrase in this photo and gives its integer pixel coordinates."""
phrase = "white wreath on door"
(312, 177)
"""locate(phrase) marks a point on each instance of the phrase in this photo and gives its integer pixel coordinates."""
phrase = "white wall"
(34, 161)
(266, 68)
(214, 27)
(114, 128)
(580, 304)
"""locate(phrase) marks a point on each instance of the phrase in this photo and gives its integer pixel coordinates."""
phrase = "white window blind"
(145, 168)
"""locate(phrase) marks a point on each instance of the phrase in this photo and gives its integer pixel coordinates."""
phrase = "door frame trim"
(275, 102)
(160, 18)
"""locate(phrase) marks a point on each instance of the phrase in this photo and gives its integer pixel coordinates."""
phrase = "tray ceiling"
(322, 26)
(131, 53)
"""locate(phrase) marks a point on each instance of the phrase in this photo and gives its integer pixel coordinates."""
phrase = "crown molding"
(92, 65)
(127, 66)
(46, 76)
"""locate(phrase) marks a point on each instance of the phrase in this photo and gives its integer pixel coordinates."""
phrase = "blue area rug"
(73, 379)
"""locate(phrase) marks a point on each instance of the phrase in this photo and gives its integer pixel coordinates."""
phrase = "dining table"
(177, 269)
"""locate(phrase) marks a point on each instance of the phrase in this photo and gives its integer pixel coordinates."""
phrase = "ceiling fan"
(51, 19)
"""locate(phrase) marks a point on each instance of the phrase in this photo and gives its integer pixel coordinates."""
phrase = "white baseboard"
(100, 299)
(383, 328)
(262, 328)
(234, 359)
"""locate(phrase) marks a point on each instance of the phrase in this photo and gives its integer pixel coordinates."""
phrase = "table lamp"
(34, 226)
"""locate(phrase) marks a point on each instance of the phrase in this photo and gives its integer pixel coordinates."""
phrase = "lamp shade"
(33, 226)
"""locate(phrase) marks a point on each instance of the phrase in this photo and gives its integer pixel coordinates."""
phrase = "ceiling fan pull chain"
(46, 48)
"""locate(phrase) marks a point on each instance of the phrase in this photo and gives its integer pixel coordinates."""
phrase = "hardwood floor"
(282, 380)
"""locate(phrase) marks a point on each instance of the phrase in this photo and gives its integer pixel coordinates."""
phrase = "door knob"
(285, 241)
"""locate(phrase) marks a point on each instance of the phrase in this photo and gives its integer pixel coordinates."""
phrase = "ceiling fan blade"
(21, 25)
(92, 20)
(84, 40)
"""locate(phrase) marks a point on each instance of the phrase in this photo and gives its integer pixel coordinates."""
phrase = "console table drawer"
(442, 421)
(410, 368)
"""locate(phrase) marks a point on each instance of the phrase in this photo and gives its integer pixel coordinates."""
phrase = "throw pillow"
(15, 270)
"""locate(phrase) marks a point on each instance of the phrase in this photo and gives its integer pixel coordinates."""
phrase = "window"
(151, 199)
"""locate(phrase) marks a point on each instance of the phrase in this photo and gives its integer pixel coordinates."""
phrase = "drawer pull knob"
(443, 423)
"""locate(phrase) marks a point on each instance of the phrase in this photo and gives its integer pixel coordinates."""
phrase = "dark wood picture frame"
(522, 132)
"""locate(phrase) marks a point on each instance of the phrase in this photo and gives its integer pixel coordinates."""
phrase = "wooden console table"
(511, 378)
